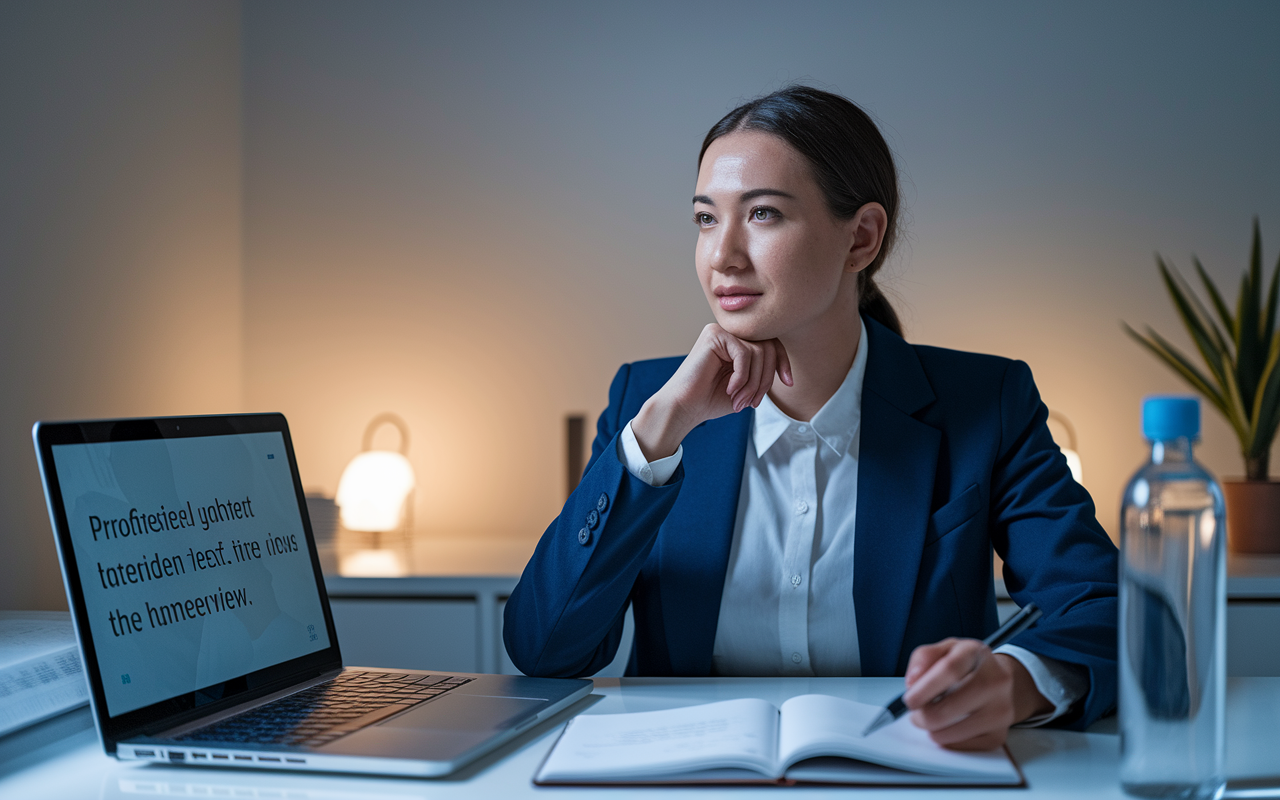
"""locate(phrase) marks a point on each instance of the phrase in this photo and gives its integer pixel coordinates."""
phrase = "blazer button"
(593, 519)
(602, 503)
(584, 536)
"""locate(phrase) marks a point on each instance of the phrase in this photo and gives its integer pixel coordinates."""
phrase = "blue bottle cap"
(1170, 417)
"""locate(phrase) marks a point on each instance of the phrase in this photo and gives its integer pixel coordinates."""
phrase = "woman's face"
(771, 257)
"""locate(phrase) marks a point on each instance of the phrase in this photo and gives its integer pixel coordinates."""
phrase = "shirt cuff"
(632, 457)
(1061, 684)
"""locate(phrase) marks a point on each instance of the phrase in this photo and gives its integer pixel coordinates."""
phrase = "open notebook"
(812, 738)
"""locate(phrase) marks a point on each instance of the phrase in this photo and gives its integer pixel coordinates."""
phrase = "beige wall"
(471, 217)
(120, 290)
(470, 214)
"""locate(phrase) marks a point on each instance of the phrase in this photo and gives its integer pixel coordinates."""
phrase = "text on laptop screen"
(193, 561)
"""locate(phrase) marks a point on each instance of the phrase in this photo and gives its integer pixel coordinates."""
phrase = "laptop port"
(269, 758)
(174, 755)
(199, 755)
(221, 756)
(144, 753)
(296, 760)
(244, 758)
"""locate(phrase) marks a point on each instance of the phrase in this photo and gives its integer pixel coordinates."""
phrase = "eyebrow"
(745, 196)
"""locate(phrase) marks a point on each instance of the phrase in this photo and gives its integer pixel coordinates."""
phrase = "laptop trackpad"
(441, 730)
(466, 712)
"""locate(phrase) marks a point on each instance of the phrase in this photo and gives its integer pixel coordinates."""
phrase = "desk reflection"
(252, 785)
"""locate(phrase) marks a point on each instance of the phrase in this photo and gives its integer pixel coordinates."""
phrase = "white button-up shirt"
(787, 603)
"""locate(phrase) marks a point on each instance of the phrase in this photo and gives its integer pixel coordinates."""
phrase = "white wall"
(120, 291)
(472, 213)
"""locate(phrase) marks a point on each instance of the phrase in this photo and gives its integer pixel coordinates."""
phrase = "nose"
(727, 249)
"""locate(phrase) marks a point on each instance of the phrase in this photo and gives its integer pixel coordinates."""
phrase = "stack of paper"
(40, 671)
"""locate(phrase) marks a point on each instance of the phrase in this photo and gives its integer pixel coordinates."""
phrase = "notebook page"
(821, 725)
(650, 744)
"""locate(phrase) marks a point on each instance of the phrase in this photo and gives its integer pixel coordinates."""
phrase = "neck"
(820, 356)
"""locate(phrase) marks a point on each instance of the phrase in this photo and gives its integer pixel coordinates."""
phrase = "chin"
(745, 326)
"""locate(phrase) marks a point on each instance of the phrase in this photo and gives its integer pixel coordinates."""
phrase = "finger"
(766, 375)
(757, 372)
(978, 691)
(964, 657)
(752, 374)
(741, 367)
(984, 724)
(925, 656)
(784, 363)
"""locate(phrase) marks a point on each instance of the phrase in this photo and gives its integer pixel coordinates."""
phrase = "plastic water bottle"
(1172, 614)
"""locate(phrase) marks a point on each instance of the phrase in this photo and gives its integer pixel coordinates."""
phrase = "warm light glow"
(1073, 463)
(373, 489)
(372, 564)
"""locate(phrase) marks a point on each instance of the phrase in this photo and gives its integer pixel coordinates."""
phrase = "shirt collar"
(836, 422)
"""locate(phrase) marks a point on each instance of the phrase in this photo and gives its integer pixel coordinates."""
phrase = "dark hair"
(851, 162)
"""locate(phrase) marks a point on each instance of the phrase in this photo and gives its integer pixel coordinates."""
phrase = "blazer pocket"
(953, 514)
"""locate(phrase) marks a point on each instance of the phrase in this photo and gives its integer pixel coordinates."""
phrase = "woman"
(845, 526)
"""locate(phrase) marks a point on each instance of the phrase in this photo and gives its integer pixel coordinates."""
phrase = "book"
(812, 738)
(40, 670)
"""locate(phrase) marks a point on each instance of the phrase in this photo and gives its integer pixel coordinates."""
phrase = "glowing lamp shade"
(1070, 452)
(373, 490)
(1073, 463)
(375, 496)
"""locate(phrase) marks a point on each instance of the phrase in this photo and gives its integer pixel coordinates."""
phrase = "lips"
(735, 298)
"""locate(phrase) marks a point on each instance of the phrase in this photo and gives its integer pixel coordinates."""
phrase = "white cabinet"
(455, 623)
(438, 634)
(447, 623)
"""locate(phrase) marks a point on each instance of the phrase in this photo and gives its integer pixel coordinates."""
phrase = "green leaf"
(1227, 399)
(1181, 365)
(1220, 340)
(1217, 361)
(1224, 313)
(1266, 412)
(1250, 353)
(1269, 327)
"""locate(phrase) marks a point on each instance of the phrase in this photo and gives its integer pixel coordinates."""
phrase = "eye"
(702, 219)
(764, 213)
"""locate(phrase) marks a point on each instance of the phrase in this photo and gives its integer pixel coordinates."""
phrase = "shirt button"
(602, 503)
(801, 506)
(796, 658)
(584, 536)
(593, 519)
(803, 429)
(795, 580)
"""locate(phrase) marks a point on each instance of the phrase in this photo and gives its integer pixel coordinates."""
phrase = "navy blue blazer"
(955, 459)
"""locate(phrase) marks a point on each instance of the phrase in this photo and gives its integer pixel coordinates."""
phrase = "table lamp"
(1070, 451)
(375, 496)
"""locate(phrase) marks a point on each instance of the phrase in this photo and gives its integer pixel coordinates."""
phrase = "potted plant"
(1240, 377)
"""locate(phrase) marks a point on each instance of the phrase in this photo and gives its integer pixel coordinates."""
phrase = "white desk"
(1058, 764)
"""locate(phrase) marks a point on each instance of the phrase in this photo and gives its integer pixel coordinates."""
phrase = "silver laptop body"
(204, 626)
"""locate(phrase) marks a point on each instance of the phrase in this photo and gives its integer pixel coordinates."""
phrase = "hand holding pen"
(965, 696)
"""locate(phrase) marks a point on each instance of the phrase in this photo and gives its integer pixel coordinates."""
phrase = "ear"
(867, 230)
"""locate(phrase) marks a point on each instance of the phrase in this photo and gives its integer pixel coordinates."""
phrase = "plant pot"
(1253, 516)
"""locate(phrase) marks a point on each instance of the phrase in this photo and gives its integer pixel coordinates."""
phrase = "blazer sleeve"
(1055, 553)
(565, 616)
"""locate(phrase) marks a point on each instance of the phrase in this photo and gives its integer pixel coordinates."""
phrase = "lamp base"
(373, 564)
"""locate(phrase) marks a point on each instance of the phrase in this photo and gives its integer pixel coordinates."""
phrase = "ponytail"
(873, 303)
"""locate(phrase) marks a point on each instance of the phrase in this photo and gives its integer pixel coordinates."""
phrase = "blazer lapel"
(897, 461)
(695, 541)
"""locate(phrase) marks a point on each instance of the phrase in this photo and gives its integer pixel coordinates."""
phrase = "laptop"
(205, 630)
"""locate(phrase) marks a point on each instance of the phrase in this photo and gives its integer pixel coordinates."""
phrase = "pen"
(1012, 627)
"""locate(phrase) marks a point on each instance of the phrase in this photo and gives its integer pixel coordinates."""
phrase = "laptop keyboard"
(327, 711)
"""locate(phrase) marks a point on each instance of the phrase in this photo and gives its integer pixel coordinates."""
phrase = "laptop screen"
(193, 561)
